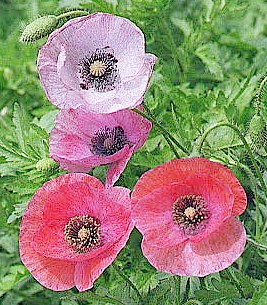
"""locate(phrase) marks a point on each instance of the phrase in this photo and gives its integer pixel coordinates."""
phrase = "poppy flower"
(81, 140)
(185, 210)
(72, 230)
(97, 62)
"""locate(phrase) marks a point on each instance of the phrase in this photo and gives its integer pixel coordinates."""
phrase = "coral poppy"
(72, 231)
(97, 62)
(185, 210)
(82, 140)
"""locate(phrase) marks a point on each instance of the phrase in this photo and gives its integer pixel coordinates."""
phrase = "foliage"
(211, 69)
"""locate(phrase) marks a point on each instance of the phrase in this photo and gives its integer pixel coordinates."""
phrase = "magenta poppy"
(185, 210)
(72, 230)
(82, 140)
(97, 62)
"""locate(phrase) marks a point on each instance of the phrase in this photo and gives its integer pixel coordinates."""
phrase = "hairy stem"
(73, 14)
(177, 281)
(248, 149)
(163, 129)
(256, 244)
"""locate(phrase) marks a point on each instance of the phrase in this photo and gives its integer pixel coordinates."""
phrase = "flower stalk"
(164, 131)
(247, 147)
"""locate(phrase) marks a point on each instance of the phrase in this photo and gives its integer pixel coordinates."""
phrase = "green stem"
(164, 135)
(72, 14)
(256, 244)
(163, 129)
(248, 149)
(177, 282)
(126, 279)
(171, 146)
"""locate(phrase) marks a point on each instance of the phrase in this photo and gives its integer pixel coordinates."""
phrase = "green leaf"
(21, 124)
(208, 53)
(260, 295)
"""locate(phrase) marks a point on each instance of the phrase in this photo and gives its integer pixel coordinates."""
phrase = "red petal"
(215, 253)
(179, 169)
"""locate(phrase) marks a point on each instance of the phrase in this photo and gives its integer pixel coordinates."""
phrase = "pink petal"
(116, 168)
(71, 137)
(219, 201)
(152, 215)
(63, 204)
(177, 171)
(119, 194)
(213, 254)
(87, 272)
(54, 274)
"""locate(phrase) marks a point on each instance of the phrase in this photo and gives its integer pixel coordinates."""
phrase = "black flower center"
(82, 233)
(190, 213)
(108, 141)
(98, 70)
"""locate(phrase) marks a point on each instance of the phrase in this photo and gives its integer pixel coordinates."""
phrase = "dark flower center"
(82, 233)
(190, 213)
(108, 141)
(98, 70)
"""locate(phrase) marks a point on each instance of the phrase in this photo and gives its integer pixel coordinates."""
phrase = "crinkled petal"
(54, 274)
(129, 95)
(71, 200)
(116, 168)
(59, 59)
(87, 272)
(152, 215)
(74, 129)
(178, 170)
(213, 254)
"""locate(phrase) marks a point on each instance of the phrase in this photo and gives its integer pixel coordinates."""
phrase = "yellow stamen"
(190, 212)
(98, 68)
(83, 233)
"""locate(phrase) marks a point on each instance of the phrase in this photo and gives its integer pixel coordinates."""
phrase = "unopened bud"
(39, 28)
(258, 131)
(46, 165)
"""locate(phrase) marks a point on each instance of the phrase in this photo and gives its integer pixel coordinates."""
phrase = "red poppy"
(73, 230)
(185, 210)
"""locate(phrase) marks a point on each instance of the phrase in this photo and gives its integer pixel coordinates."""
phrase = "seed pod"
(39, 28)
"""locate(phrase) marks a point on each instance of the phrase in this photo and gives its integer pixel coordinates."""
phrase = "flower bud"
(258, 131)
(46, 165)
(39, 28)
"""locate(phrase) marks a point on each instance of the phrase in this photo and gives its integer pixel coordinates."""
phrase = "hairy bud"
(46, 165)
(39, 28)
(258, 131)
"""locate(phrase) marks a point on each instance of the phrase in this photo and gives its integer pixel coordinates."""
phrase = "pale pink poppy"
(72, 230)
(186, 211)
(97, 62)
(82, 140)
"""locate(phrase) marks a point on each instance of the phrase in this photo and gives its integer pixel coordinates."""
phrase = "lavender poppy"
(97, 62)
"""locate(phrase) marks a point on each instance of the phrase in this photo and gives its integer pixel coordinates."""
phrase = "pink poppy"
(186, 211)
(97, 62)
(82, 140)
(72, 230)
